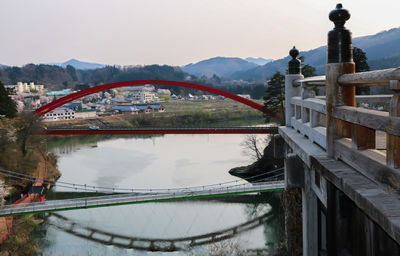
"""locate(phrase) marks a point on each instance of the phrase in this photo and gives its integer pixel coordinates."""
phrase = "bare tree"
(254, 146)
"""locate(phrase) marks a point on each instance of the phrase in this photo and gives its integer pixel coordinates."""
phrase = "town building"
(59, 114)
(125, 109)
(21, 87)
(143, 96)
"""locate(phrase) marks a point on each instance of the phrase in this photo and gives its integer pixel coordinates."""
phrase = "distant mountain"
(79, 64)
(383, 47)
(259, 60)
(220, 66)
(390, 62)
(2, 66)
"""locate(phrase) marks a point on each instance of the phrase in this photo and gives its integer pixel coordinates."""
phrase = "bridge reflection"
(152, 244)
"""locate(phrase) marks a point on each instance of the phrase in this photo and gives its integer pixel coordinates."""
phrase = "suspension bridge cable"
(84, 187)
(88, 188)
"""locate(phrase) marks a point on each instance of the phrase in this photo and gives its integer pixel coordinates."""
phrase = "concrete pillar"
(310, 217)
(294, 67)
(294, 173)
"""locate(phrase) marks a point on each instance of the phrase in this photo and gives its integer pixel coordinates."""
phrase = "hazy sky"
(174, 32)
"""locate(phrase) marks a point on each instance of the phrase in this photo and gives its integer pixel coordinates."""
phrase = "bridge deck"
(102, 201)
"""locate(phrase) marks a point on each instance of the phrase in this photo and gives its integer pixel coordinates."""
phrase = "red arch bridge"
(177, 130)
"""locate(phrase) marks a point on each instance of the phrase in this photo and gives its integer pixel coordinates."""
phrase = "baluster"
(306, 92)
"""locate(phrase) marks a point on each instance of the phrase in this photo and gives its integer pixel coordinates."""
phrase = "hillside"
(382, 49)
(220, 66)
(56, 77)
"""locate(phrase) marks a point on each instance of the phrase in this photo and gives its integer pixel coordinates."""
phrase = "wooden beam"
(363, 137)
(348, 94)
(370, 163)
(378, 77)
(377, 120)
(393, 141)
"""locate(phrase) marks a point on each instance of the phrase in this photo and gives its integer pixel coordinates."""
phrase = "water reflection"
(161, 162)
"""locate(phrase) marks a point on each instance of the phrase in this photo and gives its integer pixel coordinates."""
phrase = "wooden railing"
(358, 147)
(326, 110)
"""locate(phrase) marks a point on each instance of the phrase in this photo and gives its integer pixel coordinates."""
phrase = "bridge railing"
(334, 121)
(308, 115)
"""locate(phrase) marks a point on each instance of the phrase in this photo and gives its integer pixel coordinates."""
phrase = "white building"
(25, 87)
(59, 114)
(143, 96)
(246, 96)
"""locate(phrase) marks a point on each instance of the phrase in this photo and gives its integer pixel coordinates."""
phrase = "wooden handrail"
(378, 77)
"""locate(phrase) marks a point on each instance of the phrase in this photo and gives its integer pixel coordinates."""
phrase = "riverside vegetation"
(21, 150)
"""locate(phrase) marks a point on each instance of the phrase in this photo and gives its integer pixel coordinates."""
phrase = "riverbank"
(25, 152)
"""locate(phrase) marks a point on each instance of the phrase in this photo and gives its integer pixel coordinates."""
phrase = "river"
(169, 161)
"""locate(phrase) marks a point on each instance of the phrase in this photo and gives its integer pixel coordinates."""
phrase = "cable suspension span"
(85, 187)
(132, 198)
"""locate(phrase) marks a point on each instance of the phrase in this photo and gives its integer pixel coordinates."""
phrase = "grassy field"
(177, 113)
(229, 105)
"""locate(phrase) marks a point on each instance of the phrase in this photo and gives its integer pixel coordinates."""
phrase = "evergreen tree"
(274, 98)
(307, 70)
(360, 59)
(7, 105)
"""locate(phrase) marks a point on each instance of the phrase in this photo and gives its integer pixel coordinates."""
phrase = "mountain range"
(259, 60)
(79, 64)
(382, 50)
(220, 66)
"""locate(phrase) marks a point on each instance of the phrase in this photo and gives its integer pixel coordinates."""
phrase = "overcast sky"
(174, 32)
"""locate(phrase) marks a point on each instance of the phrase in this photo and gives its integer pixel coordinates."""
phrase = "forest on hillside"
(57, 78)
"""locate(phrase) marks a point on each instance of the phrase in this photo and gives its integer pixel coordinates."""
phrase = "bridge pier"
(309, 214)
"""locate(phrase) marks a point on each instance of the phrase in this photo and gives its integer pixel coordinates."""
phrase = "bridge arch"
(71, 97)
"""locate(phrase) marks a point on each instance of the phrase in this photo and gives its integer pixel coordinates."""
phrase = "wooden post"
(332, 72)
(290, 90)
(392, 141)
(340, 61)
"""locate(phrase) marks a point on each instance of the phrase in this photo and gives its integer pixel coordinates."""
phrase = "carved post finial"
(340, 48)
(294, 63)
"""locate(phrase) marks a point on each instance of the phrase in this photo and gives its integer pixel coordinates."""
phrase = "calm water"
(168, 161)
